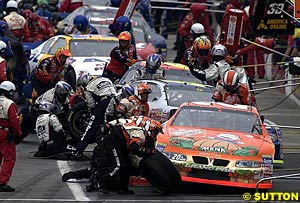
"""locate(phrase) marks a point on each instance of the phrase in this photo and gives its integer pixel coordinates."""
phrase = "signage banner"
(268, 18)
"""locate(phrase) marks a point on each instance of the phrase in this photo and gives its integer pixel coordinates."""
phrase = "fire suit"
(51, 97)
(3, 67)
(30, 114)
(111, 113)
(195, 63)
(40, 30)
(51, 135)
(46, 75)
(18, 25)
(120, 61)
(197, 15)
(116, 150)
(252, 51)
(216, 72)
(238, 96)
(98, 94)
(133, 106)
(9, 132)
(70, 5)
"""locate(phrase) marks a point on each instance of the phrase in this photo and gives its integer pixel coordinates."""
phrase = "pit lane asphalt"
(39, 180)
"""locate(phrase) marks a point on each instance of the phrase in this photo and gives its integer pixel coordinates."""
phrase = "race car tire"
(28, 122)
(70, 78)
(77, 120)
(161, 173)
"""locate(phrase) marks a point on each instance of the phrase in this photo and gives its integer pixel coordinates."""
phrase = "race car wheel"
(70, 78)
(161, 173)
(77, 120)
(28, 122)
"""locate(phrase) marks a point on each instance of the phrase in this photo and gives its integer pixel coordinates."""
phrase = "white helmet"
(8, 86)
(3, 47)
(197, 28)
(219, 50)
(12, 4)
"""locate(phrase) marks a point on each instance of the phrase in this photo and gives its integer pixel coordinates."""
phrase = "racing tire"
(77, 120)
(161, 173)
(28, 123)
(70, 78)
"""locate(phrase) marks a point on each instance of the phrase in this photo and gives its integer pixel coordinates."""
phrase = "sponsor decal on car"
(161, 146)
(187, 132)
(228, 136)
(205, 167)
(175, 156)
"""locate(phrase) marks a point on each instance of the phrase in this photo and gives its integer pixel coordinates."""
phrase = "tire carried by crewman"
(77, 120)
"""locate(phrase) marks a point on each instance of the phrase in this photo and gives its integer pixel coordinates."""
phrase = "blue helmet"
(153, 63)
(27, 51)
(3, 27)
(115, 3)
(127, 90)
(81, 23)
(122, 23)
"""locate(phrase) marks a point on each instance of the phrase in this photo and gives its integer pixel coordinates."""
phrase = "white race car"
(90, 53)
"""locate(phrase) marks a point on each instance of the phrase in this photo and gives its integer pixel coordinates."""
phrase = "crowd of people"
(122, 113)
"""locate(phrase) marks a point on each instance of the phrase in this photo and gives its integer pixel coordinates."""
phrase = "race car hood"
(215, 141)
(94, 65)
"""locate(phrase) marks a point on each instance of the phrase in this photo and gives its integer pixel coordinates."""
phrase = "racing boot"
(80, 174)
(6, 188)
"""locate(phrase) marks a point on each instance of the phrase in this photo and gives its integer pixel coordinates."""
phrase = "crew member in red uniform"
(16, 23)
(253, 51)
(122, 57)
(3, 63)
(10, 131)
(40, 29)
(70, 5)
(197, 15)
(230, 91)
(47, 73)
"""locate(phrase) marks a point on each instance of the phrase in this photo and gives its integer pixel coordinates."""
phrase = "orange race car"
(220, 144)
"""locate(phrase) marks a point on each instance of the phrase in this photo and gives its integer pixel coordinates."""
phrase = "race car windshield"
(102, 29)
(214, 118)
(178, 94)
(180, 75)
(88, 48)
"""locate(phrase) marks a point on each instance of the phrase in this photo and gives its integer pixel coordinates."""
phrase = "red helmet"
(231, 80)
(27, 14)
(124, 39)
(35, 17)
(197, 9)
(62, 51)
